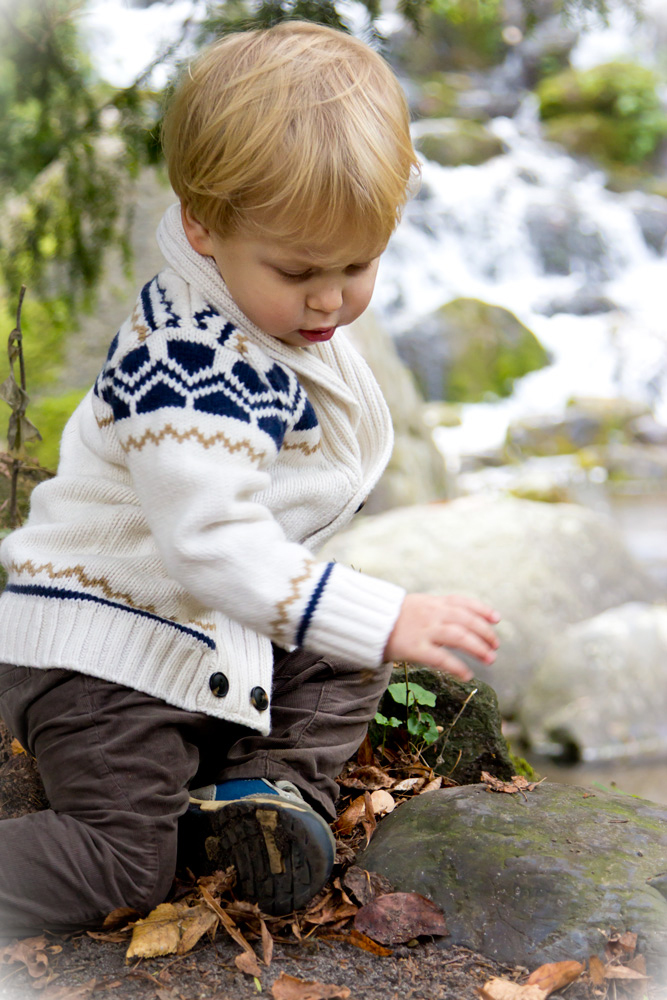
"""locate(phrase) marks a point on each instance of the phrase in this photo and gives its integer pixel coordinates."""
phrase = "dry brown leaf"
(433, 785)
(368, 820)
(369, 776)
(195, 922)
(408, 785)
(366, 753)
(638, 963)
(496, 785)
(290, 988)
(219, 882)
(226, 921)
(503, 989)
(350, 817)
(362, 941)
(31, 952)
(383, 802)
(623, 972)
(245, 962)
(69, 992)
(267, 944)
(158, 934)
(16, 747)
(596, 970)
(555, 975)
(365, 886)
(120, 918)
(399, 917)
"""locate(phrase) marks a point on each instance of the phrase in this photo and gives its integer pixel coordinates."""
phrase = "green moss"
(611, 112)
(465, 142)
(50, 414)
(522, 767)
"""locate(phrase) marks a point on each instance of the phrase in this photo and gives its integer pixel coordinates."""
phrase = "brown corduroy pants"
(116, 765)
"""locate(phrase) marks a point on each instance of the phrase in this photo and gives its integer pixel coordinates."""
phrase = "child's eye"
(295, 276)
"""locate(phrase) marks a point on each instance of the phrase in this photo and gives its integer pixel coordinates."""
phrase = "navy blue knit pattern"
(312, 604)
(199, 375)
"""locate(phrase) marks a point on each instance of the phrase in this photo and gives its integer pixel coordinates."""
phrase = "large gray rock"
(600, 691)
(533, 879)
(543, 566)
(416, 470)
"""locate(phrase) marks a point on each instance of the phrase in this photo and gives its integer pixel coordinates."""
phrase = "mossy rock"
(611, 112)
(469, 350)
(469, 38)
(471, 740)
(459, 142)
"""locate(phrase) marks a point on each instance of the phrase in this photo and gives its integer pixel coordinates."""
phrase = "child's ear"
(199, 237)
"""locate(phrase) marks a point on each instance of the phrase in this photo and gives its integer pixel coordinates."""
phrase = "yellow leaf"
(158, 934)
(503, 989)
(170, 929)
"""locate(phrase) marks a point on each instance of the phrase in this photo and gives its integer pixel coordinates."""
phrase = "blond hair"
(296, 132)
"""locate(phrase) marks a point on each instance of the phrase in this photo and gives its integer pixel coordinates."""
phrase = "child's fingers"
(441, 659)
(459, 637)
(468, 621)
(472, 604)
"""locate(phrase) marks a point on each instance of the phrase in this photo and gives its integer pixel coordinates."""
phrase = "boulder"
(416, 470)
(600, 689)
(585, 421)
(468, 349)
(533, 878)
(453, 142)
(543, 566)
(471, 738)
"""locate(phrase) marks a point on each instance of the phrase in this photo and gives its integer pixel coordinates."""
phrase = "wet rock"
(600, 690)
(533, 879)
(584, 302)
(416, 472)
(468, 349)
(565, 241)
(453, 142)
(471, 740)
(647, 430)
(543, 566)
(585, 422)
(652, 220)
(639, 464)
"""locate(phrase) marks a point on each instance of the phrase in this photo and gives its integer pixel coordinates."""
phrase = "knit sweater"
(196, 481)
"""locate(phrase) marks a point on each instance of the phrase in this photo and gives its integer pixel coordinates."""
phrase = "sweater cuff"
(353, 617)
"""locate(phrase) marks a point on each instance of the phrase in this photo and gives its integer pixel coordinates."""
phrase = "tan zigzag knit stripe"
(279, 624)
(302, 446)
(192, 433)
(78, 572)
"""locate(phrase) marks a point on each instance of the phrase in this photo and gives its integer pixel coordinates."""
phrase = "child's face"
(283, 291)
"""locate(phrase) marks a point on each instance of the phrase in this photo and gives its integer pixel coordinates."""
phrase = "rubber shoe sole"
(283, 852)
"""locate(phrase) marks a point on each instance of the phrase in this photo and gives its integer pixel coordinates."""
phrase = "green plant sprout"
(420, 725)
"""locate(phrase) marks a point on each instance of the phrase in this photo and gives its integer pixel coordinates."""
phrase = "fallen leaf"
(350, 817)
(365, 886)
(69, 992)
(555, 975)
(503, 989)
(408, 785)
(368, 820)
(626, 942)
(195, 922)
(248, 963)
(400, 916)
(157, 934)
(638, 963)
(171, 928)
(366, 753)
(16, 747)
(29, 951)
(623, 972)
(432, 785)
(383, 802)
(267, 944)
(362, 941)
(290, 988)
(596, 970)
(226, 921)
(120, 918)
(370, 777)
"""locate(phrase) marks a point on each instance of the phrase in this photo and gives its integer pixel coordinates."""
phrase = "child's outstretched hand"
(428, 623)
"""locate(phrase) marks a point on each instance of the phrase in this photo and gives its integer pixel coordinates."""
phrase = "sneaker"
(282, 850)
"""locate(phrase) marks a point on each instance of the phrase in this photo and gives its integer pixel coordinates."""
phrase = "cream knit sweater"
(196, 480)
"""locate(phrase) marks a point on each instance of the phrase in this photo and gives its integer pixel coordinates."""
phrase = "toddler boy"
(166, 625)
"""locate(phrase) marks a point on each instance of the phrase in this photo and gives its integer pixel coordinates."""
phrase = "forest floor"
(228, 950)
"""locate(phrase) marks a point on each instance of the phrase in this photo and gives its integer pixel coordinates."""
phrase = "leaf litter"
(357, 907)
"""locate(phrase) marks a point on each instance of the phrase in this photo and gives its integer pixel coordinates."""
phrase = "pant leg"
(115, 765)
(319, 716)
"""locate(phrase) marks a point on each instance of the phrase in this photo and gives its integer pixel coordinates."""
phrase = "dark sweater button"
(259, 699)
(218, 684)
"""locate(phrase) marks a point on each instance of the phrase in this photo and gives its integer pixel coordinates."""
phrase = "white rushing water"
(475, 231)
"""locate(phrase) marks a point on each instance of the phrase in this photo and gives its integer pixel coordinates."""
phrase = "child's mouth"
(317, 336)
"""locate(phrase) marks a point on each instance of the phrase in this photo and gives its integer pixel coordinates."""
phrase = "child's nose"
(327, 299)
